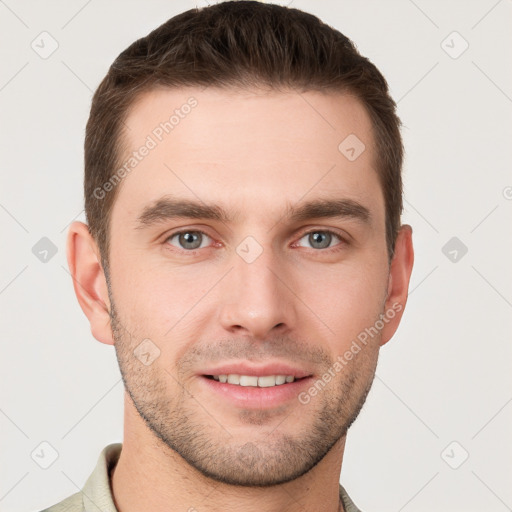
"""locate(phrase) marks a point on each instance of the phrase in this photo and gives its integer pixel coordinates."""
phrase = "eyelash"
(343, 241)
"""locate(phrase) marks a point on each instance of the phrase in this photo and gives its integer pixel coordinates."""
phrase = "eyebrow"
(168, 208)
(329, 208)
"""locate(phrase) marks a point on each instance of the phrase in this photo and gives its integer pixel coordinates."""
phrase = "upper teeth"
(251, 380)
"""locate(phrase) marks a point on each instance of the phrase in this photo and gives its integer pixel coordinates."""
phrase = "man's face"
(263, 289)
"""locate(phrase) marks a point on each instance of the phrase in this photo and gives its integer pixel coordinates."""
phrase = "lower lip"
(253, 397)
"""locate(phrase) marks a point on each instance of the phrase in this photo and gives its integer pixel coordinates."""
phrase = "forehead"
(250, 149)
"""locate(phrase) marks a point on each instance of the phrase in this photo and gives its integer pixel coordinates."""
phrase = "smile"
(262, 381)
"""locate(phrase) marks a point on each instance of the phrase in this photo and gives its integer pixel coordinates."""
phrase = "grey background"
(443, 389)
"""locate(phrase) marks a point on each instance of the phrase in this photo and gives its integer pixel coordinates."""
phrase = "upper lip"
(245, 368)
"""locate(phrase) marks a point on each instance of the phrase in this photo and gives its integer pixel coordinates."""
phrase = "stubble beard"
(276, 457)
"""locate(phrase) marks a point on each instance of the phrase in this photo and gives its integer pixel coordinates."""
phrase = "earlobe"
(398, 284)
(89, 280)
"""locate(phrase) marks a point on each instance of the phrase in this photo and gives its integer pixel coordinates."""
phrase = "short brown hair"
(237, 44)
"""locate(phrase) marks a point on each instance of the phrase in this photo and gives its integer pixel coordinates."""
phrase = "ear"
(398, 283)
(89, 280)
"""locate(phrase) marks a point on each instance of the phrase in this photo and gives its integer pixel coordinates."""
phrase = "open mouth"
(262, 381)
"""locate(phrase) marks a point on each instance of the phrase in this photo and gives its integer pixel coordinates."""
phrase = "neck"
(151, 476)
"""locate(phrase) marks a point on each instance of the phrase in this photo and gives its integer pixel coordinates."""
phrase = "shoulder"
(73, 503)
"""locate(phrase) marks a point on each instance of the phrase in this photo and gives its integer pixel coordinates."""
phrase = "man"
(243, 254)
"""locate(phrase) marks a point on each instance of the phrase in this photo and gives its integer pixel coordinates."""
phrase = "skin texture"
(255, 154)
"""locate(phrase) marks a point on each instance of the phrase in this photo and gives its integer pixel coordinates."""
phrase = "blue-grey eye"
(189, 240)
(320, 239)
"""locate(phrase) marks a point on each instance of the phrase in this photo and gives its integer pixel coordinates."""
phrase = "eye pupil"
(321, 238)
(190, 240)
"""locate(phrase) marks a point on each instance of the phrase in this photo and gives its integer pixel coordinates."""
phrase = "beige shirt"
(96, 495)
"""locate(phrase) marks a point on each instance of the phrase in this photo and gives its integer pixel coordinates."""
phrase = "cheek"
(156, 299)
(346, 300)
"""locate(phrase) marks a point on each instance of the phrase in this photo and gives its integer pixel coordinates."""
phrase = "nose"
(256, 298)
